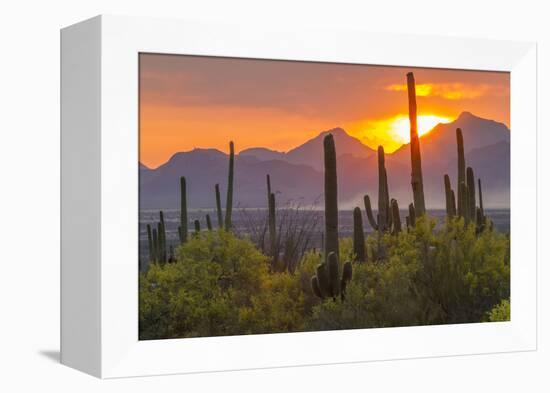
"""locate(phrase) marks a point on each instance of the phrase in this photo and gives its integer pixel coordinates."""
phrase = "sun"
(400, 127)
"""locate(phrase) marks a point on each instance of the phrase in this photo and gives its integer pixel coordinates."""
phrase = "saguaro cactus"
(480, 198)
(383, 193)
(272, 226)
(183, 210)
(396, 219)
(449, 197)
(416, 162)
(470, 183)
(331, 197)
(208, 222)
(219, 207)
(229, 202)
(358, 236)
(461, 170)
(327, 283)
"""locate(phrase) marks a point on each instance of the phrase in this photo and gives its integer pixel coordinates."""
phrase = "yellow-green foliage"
(427, 277)
(500, 313)
(221, 285)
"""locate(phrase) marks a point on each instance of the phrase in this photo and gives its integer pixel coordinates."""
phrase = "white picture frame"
(99, 250)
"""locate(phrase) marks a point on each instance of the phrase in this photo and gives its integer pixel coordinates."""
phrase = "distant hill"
(298, 174)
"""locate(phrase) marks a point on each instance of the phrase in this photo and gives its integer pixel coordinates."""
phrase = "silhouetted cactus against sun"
(416, 161)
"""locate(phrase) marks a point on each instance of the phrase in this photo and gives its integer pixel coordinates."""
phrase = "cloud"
(449, 91)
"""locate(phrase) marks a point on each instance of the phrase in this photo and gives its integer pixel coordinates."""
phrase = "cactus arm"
(461, 171)
(315, 287)
(453, 203)
(480, 197)
(219, 206)
(334, 274)
(370, 216)
(448, 202)
(464, 203)
(382, 192)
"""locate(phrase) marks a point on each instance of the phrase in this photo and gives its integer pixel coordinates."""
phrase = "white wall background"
(29, 194)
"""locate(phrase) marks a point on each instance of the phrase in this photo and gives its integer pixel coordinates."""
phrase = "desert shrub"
(500, 313)
(215, 276)
(422, 277)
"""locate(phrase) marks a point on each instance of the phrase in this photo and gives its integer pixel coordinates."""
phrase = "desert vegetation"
(270, 279)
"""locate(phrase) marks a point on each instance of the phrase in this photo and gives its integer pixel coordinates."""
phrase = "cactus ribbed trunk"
(183, 210)
(396, 219)
(331, 197)
(412, 215)
(229, 201)
(358, 236)
(463, 202)
(461, 171)
(272, 226)
(470, 183)
(383, 194)
(448, 196)
(208, 222)
(219, 207)
(416, 162)
(453, 203)
(370, 216)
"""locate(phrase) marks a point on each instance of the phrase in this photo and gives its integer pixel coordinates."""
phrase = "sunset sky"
(188, 102)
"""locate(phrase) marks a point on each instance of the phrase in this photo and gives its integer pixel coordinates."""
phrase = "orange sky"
(190, 101)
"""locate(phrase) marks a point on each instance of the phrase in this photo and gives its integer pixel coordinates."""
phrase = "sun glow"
(400, 126)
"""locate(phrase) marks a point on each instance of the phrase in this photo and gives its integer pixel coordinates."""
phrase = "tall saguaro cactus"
(331, 197)
(183, 210)
(416, 162)
(229, 202)
(470, 183)
(358, 236)
(208, 222)
(272, 226)
(461, 170)
(383, 193)
(219, 207)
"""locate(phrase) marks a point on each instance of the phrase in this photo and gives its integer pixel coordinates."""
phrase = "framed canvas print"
(241, 197)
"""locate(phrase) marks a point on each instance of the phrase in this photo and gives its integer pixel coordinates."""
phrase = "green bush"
(221, 285)
(500, 313)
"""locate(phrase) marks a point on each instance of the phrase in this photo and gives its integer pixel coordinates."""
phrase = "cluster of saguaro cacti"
(156, 238)
(328, 283)
(387, 219)
(464, 205)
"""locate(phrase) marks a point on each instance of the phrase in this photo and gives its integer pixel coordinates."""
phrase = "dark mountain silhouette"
(298, 174)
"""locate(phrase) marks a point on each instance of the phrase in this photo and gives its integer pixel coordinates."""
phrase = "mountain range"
(298, 173)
